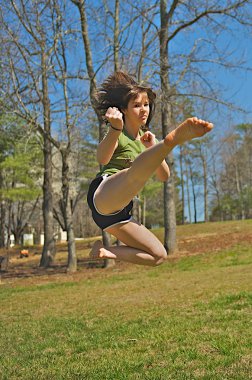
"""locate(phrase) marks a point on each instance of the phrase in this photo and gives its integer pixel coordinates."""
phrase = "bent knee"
(160, 256)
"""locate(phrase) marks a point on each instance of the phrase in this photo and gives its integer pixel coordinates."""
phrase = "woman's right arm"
(107, 147)
(109, 144)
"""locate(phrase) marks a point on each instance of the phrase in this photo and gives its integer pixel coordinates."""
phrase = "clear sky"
(231, 45)
(238, 82)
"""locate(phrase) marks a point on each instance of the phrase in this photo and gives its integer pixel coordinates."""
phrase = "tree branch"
(206, 13)
(172, 9)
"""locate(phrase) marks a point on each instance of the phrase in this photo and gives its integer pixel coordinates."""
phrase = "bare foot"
(188, 130)
(95, 251)
(99, 252)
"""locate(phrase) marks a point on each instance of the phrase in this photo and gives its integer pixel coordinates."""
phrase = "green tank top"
(126, 152)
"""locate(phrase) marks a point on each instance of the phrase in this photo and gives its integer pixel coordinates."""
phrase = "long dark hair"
(118, 89)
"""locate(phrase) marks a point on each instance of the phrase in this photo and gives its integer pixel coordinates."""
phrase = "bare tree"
(26, 46)
(232, 182)
(39, 44)
(199, 152)
(81, 6)
(167, 126)
(174, 19)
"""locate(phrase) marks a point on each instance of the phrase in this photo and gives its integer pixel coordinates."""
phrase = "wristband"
(116, 129)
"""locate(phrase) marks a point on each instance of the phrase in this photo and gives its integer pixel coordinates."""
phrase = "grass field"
(190, 318)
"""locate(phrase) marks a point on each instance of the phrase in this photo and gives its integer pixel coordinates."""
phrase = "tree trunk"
(2, 224)
(239, 188)
(49, 251)
(91, 74)
(144, 210)
(205, 189)
(182, 185)
(107, 243)
(116, 36)
(169, 214)
(67, 210)
(194, 195)
(8, 226)
(72, 258)
(2, 216)
(166, 110)
(188, 194)
(139, 209)
(136, 211)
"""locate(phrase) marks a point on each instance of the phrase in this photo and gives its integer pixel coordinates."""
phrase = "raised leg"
(142, 247)
(118, 190)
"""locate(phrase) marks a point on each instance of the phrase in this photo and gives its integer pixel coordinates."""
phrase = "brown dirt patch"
(213, 242)
(26, 270)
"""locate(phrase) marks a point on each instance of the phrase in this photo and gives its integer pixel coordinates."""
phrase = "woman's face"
(137, 111)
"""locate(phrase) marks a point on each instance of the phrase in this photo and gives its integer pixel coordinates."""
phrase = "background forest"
(54, 55)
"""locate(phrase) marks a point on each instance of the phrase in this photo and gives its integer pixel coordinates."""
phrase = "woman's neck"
(132, 131)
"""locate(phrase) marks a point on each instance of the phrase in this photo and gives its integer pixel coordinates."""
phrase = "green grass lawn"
(187, 319)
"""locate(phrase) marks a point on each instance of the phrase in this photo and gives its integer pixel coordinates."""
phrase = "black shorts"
(108, 220)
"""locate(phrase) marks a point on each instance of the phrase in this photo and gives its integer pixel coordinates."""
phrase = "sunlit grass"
(188, 319)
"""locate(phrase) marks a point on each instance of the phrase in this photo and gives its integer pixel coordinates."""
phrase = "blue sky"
(237, 88)
(236, 83)
(239, 82)
(231, 44)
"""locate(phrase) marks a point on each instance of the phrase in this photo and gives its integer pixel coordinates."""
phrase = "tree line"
(53, 55)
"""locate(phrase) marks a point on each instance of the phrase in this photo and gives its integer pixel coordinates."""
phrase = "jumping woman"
(129, 156)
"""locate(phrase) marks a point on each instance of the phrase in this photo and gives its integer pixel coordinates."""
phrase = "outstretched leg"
(118, 190)
(142, 247)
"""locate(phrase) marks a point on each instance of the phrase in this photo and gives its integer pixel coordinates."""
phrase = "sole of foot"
(95, 252)
(191, 128)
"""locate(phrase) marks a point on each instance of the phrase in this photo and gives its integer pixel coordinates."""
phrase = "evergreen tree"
(20, 176)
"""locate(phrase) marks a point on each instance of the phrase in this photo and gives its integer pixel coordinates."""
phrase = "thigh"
(104, 221)
(114, 193)
(138, 236)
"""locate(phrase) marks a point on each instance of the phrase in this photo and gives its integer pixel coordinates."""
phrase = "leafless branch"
(207, 12)
(213, 99)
